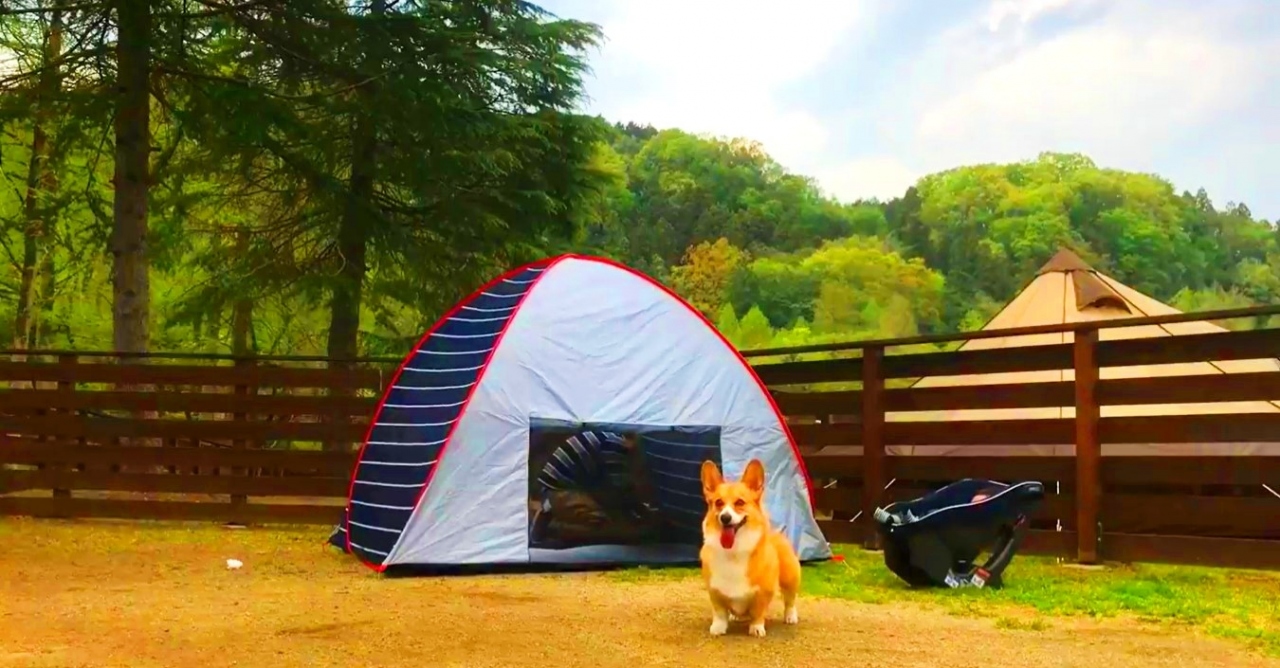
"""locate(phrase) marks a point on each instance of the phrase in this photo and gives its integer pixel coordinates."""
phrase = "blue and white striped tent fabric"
(443, 478)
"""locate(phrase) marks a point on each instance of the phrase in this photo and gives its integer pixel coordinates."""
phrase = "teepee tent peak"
(1091, 290)
(1064, 260)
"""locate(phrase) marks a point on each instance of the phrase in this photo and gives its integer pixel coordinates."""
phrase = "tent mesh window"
(612, 484)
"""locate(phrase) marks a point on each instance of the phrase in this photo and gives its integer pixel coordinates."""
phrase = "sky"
(866, 96)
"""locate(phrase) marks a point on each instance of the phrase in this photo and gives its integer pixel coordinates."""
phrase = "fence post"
(238, 500)
(67, 387)
(873, 468)
(1088, 449)
(340, 371)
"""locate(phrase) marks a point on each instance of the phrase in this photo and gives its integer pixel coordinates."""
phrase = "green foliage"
(687, 189)
(836, 308)
(705, 275)
(987, 228)
(754, 330)
(1214, 299)
(981, 311)
(779, 285)
(727, 322)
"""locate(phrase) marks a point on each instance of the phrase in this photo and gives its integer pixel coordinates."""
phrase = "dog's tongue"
(727, 535)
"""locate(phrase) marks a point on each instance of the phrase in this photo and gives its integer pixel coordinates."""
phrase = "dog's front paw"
(756, 630)
(791, 616)
(719, 627)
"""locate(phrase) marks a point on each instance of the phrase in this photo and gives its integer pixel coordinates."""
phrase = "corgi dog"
(745, 563)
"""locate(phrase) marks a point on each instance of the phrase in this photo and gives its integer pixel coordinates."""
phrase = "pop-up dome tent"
(448, 474)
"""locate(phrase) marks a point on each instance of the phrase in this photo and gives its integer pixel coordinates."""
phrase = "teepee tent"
(1067, 290)
(448, 470)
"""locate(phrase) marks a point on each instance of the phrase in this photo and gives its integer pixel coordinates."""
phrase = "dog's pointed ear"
(711, 478)
(753, 477)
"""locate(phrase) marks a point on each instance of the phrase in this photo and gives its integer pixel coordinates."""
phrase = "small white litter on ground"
(233, 564)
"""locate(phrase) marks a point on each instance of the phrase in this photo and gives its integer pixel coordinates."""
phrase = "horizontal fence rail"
(274, 440)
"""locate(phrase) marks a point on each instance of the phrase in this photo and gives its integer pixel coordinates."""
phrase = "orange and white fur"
(745, 563)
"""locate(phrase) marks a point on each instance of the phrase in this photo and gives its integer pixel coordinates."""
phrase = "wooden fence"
(273, 440)
(182, 437)
(1221, 508)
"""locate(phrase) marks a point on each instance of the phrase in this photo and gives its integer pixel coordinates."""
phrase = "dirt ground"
(145, 599)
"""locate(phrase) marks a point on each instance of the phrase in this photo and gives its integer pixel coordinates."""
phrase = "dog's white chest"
(729, 577)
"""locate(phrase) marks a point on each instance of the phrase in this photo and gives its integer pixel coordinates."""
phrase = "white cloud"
(1122, 88)
(1126, 81)
(1025, 11)
(721, 66)
(726, 43)
(880, 176)
(1117, 89)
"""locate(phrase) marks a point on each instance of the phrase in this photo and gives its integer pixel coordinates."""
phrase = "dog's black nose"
(726, 519)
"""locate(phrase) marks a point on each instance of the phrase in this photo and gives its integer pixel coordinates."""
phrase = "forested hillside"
(314, 177)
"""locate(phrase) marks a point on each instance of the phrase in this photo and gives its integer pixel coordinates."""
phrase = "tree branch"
(217, 9)
(169, 68)
(49, 10)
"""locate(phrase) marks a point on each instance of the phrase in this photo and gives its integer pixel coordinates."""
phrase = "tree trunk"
(42, 314)
(242, 308)
(36, 228)
(344, 323)
(130, 283)
(130, 265)
(353, 240)
(241, 323)
(40, 330)
(30, 236)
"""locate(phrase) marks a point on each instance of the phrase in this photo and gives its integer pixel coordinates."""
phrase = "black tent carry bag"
(932, 541)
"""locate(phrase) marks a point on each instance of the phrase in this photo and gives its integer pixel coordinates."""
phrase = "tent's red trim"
(548, 263)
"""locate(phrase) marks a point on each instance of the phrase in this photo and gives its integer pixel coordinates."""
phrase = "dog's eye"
(719, 503)
(739, 503)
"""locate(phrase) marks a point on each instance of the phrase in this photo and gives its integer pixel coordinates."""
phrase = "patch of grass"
(1234, 604)
(1015, 624)
(644, 574)
(1266, 641)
